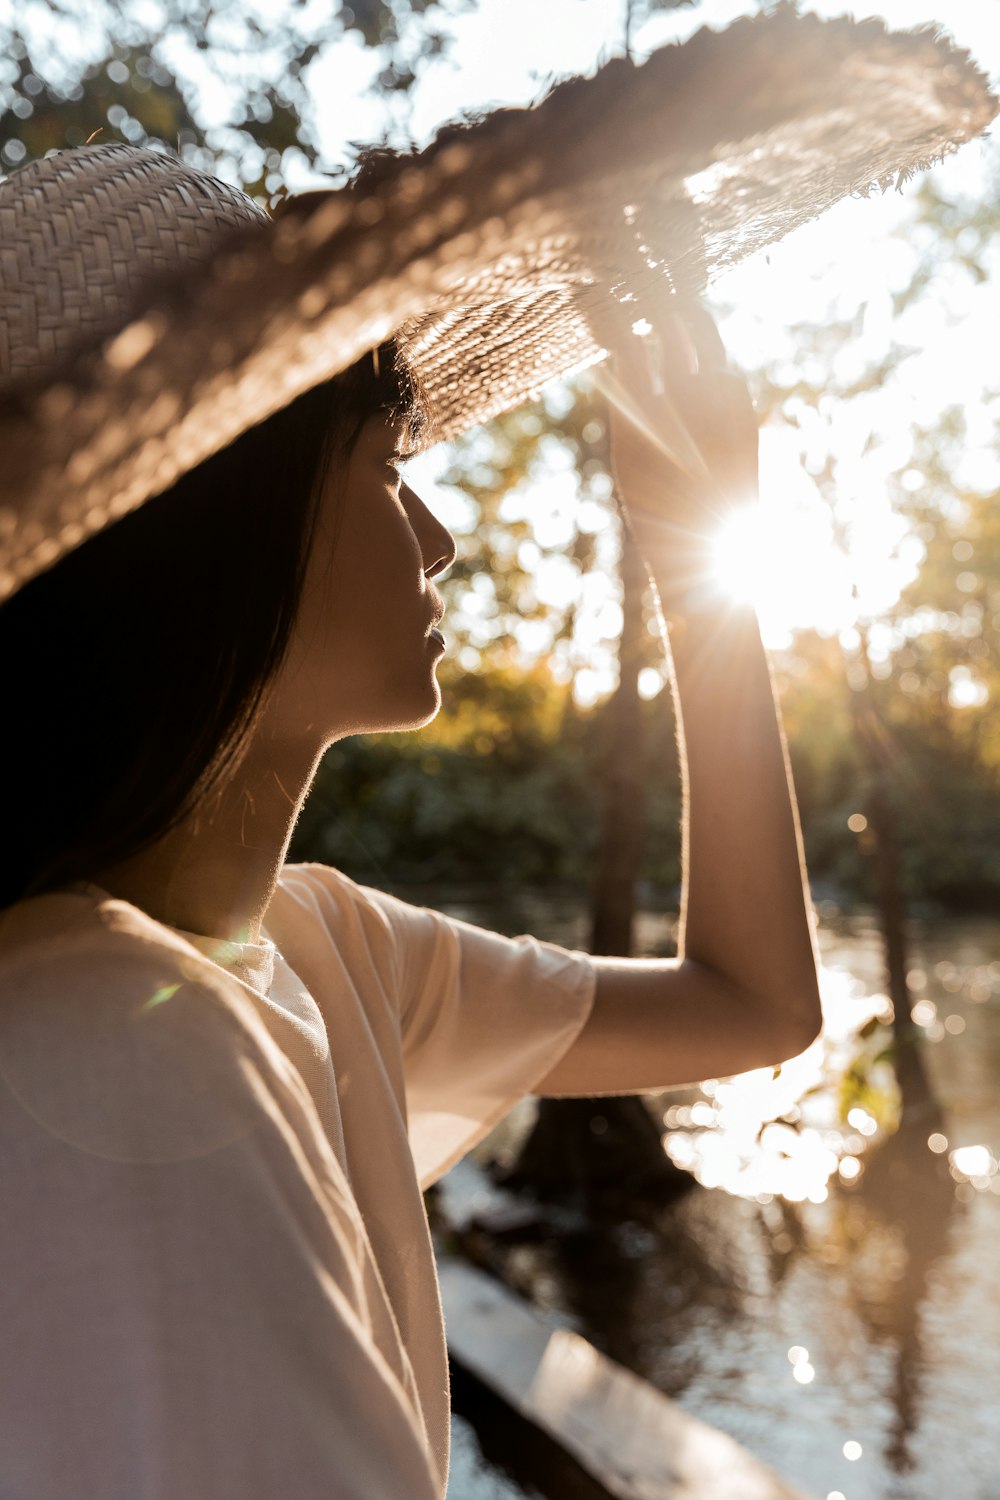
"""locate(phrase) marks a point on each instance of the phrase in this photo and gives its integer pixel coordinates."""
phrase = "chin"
(428, 715)
(404, 715)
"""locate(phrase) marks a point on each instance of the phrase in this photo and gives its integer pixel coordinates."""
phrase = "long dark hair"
(134, 670)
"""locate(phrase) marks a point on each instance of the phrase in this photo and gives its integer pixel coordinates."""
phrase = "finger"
(705, 338)
(663, 425)
(646, 348)
(726, 419)
(678, 353)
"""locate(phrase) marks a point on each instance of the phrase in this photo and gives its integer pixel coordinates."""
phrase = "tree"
(146, 78)
(918, 677)
(623, 811)
(639, 11)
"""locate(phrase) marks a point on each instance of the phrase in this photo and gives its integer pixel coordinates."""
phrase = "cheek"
(364, 607)
(377, 574)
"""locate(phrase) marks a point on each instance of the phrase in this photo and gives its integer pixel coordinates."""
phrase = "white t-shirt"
(216, 1276)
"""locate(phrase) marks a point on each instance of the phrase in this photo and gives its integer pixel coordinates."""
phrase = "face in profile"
(364, 649)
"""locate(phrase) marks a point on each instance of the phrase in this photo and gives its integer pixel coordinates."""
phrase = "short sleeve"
(186, 1302)
(484, 1018)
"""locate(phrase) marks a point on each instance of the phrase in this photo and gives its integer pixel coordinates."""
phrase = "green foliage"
(145, 76)
(870, 1081)
(502, 789)
(409, 32)
(128, 95)
(922, 679)
(504, 786)
(496, 790)
(945, 796)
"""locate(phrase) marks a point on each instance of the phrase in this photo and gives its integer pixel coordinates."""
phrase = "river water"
(830, 1296)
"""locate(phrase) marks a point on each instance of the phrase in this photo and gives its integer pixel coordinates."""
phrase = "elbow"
(798, 1023)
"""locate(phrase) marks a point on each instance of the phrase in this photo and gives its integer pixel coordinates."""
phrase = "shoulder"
(77, 955)
(120, 1038)
(337, 900)
(341, 900)
(386, 944)
(368, 927)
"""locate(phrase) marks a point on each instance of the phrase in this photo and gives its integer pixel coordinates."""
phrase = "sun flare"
(783, 555)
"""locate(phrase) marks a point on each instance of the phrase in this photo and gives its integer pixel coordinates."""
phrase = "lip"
(435, 635)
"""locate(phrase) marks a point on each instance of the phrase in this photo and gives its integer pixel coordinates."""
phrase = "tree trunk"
(623, 807)
(918, 1105)
(604, 1154)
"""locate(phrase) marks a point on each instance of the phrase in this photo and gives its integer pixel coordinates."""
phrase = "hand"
(683, 438)
(743, 991)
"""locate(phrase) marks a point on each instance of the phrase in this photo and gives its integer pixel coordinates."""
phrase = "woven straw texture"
(82, 236)
(484, 254)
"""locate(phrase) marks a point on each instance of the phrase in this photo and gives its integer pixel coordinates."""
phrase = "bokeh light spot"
(860, 1119)
(973, 1161)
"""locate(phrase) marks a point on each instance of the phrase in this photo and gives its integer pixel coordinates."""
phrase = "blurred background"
(807, 1260)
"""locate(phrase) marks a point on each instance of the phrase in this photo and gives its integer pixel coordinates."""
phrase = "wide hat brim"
(485, 253)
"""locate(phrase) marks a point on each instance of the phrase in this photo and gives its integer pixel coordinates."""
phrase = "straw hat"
(484, 253)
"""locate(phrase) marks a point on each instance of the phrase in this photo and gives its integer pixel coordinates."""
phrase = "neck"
(215, 873)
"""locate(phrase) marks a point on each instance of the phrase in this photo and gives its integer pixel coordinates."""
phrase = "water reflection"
(909, 1191)
(837, 1307)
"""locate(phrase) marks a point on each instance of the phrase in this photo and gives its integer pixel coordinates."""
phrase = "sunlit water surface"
(834, 1303)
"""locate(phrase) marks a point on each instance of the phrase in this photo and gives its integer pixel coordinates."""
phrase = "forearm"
(745, 911)
(744, 988)
(743, 991)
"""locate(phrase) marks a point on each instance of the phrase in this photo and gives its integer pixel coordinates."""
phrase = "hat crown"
(82, 231)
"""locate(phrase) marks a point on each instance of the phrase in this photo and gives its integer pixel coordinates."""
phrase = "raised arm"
(743, 992)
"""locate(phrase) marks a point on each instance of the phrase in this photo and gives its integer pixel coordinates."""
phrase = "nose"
(437, 545)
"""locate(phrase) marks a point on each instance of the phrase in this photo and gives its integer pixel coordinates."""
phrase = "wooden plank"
(635, 1441)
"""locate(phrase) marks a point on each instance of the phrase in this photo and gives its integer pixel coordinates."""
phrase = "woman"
(224, 1080)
